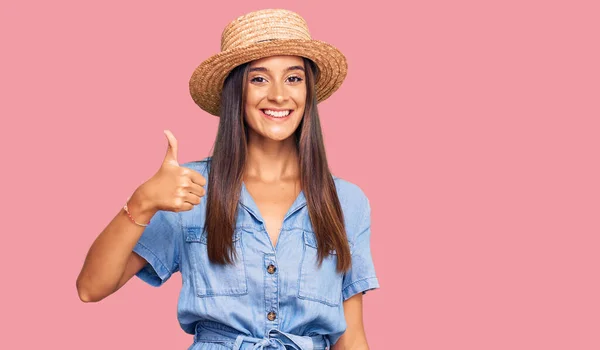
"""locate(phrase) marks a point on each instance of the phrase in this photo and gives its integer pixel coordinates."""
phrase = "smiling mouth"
(277, 114)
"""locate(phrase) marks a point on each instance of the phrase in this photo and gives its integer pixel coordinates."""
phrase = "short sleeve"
(159, 246)
(361, 277)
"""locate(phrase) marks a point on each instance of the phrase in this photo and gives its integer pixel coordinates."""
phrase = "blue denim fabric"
(307, 300)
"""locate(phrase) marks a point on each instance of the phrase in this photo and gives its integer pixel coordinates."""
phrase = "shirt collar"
(248, 203)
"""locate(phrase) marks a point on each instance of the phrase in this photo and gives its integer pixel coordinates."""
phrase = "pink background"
(472, 126)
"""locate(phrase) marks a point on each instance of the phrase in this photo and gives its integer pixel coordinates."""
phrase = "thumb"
(171, 156)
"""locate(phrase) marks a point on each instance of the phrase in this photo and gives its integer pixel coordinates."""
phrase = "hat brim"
(206, 82)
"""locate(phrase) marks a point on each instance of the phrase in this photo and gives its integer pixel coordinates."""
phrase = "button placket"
(271, 292)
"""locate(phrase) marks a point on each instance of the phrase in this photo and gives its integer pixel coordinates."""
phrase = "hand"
(173, 188)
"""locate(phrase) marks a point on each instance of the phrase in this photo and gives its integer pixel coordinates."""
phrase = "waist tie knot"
(275, 339)
(259, 344)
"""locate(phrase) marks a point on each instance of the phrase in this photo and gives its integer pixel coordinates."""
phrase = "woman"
(278, 255)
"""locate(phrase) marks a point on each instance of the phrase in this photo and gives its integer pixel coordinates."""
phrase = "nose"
(277, 93)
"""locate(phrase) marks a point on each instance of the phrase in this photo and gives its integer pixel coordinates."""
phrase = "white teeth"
(277, 114)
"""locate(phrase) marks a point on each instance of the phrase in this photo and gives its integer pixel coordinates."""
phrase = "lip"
(262, 111)
(277, 109)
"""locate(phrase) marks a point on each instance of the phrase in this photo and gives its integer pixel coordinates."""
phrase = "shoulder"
(354, 202)
(350, 194)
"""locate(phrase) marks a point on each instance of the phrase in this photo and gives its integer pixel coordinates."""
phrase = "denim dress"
(272, 298)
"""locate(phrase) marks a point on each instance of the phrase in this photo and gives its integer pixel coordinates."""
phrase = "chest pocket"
(212, 279)
(322, 284)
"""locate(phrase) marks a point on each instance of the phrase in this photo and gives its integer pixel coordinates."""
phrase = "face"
(275, 96)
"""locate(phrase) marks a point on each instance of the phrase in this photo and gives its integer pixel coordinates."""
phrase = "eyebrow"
(264, 69)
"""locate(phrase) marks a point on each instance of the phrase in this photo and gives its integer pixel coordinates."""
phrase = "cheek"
(250, 98)
(254, 95)
(300, 98)
(250, 105)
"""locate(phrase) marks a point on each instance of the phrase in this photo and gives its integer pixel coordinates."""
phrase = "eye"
(298, 79)
(258, 80)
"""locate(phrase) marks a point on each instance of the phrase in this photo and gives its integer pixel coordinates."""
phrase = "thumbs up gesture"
(173, 188)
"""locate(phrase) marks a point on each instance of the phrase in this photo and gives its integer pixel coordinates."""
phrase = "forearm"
(107, 258)
(354, 338)
(349, 343)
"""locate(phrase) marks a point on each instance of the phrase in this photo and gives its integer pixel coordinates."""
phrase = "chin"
(279, 137)
(276, 133)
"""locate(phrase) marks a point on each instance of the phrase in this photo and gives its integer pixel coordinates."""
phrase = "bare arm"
(354, 338)
(110, 261)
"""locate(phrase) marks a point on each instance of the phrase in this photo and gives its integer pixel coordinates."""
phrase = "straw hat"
(261, 34)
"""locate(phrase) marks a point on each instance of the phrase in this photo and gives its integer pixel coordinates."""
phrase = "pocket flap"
(197, 234)
(311, 240)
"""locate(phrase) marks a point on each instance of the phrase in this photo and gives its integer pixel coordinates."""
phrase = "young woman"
(277, 255)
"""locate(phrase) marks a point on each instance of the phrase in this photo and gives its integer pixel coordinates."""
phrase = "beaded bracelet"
(131, 217)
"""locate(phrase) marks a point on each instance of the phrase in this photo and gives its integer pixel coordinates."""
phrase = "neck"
(272, 161)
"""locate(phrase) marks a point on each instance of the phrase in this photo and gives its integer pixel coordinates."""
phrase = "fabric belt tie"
(275, 339)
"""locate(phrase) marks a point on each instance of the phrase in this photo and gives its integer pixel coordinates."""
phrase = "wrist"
(141, 207)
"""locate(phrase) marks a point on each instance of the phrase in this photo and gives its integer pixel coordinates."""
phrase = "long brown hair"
(227, 167)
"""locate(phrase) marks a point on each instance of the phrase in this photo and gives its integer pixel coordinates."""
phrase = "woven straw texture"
(260, 34)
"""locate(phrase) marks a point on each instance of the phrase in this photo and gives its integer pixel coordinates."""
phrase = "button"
(271, 269)
(271, 316)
